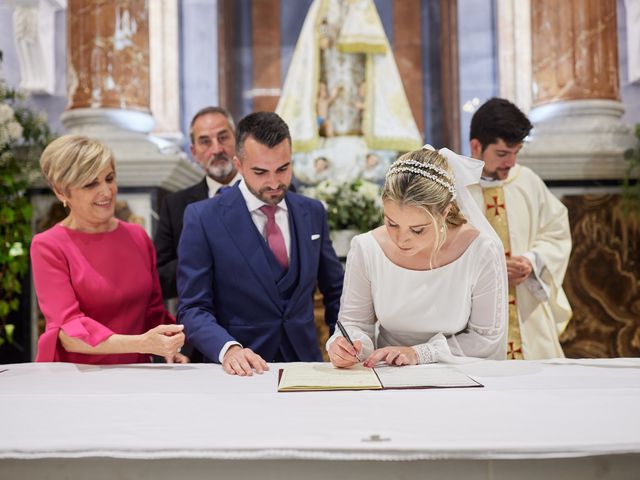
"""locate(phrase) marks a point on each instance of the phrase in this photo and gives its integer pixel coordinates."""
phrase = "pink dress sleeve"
(58, 302)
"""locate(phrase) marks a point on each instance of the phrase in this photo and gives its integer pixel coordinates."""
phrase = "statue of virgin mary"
(343, 98)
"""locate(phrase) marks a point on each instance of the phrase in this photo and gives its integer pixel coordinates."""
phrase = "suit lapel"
(199, 191)
(237, 220)
(195, 193)
(302, 232)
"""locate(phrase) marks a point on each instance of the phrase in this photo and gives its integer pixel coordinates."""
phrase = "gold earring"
(64, 203)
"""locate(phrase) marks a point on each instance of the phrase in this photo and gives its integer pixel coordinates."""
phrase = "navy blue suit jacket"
(226, 288)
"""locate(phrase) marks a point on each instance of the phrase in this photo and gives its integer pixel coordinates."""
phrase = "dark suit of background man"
(213, 146)
(241, 303)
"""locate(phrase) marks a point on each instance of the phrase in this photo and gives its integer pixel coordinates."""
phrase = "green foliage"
(631, 182)
(350, 205)
(23, 135)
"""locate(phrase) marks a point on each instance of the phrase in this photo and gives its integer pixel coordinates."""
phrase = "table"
(557, 418)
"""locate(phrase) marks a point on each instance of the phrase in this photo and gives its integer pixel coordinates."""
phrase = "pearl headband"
(424, 169)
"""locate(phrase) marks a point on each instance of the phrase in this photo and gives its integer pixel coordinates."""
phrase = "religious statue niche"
(343, 97)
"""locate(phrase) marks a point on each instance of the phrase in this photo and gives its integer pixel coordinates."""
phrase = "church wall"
(385, 10)
(199, 66)
(478, 60)
(292, 13)
(432, 115)
(199, 58)
(235, 70)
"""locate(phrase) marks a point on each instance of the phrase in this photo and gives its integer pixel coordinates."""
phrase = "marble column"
(578, 136)
(108, 55)
(407, 50)
(576, 111)
(513, 29)
(265, 52)
(109, 92)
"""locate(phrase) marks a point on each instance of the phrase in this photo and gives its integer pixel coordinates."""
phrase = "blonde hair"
(74, 160)
(428, 184)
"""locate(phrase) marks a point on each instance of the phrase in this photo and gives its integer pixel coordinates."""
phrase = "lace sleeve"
(486, 333)
(356, 304)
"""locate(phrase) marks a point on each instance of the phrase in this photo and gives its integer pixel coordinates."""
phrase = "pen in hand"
(347, 337)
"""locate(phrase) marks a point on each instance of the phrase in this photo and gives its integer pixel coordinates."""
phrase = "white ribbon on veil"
(467, 172)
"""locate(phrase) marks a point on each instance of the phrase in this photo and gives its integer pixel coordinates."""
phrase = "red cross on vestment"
(496, 206)
(511, 353)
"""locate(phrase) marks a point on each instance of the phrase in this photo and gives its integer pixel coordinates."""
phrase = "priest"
(533, 226)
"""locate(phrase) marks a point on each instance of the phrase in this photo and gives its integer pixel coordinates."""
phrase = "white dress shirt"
(260, 219)
(214, 186)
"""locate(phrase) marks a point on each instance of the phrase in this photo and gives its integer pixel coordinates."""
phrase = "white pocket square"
(315, 236)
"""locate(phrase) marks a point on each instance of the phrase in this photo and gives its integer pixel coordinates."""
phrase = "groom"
(249, 260)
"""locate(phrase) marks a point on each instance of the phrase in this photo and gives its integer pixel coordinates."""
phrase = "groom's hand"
(243, 361)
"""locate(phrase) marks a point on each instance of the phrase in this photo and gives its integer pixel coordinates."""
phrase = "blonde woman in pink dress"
(94, 275)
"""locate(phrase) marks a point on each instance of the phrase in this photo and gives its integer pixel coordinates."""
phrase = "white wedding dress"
(455, 309)
(448, 314)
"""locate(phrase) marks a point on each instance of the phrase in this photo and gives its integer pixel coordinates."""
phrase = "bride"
(433, 276)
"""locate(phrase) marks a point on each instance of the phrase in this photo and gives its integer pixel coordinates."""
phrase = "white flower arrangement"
(353, 205)
(10, 129)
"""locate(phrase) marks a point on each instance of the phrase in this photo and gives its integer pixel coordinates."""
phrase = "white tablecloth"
(562, 408)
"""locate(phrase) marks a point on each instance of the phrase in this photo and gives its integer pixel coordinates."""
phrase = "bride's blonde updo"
(423, 179)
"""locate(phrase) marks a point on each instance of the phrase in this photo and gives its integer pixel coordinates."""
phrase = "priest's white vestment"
(538, 225)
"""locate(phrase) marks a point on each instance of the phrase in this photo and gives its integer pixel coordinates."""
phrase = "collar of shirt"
(213, 185)
(487, 182)
(260, 219)
(253, 202)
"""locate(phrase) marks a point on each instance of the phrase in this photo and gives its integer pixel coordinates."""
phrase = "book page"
(324, 376)
(423, 376)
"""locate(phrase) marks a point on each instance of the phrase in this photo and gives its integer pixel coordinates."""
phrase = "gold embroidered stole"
(496, 213)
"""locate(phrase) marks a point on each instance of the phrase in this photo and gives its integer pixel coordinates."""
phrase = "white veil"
(467, 172)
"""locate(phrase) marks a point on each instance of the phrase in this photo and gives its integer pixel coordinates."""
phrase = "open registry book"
(305, 377)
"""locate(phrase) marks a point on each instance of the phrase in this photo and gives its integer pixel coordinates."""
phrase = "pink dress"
(93, 285)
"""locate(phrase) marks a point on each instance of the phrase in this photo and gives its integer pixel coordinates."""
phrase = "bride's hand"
(342, 354)
(392, 356)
